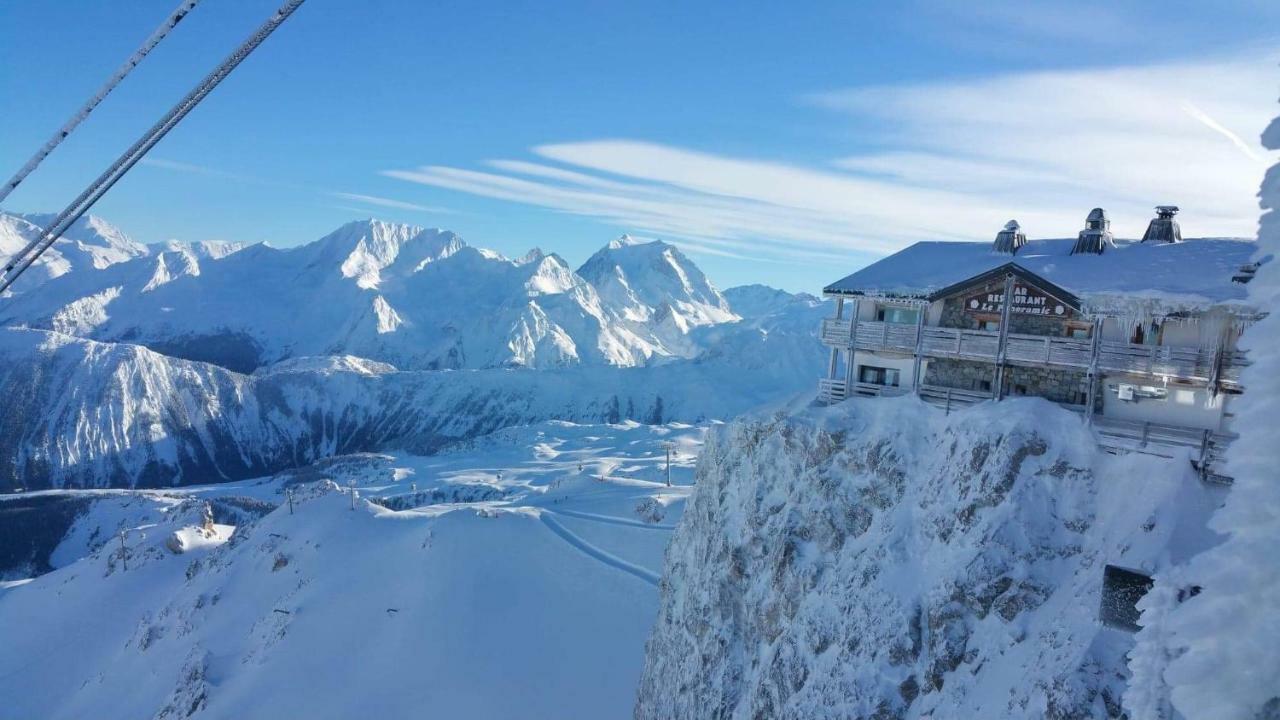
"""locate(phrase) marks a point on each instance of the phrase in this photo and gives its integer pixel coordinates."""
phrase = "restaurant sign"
(1026, 301)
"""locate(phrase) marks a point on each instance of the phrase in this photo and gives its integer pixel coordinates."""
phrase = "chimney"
(1096, 237)
(1010, 238)
(1163, 228)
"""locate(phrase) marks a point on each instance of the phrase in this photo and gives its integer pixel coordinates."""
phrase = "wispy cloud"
(387, 202)
(363, 199)
(954, 160)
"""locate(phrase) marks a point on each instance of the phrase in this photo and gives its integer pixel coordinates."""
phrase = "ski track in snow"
(644, 574)
(614, 520)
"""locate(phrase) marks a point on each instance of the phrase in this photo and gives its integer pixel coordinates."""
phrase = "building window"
(1079, 333)
(873, 375)
(900, 315)
(1146, 334)
(989, 325)
(984, 385)
(1019, 389)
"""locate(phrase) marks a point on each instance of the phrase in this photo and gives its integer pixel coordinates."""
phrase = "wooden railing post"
(915, 371)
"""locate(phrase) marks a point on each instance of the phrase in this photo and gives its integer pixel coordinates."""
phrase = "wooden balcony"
(831, 391)
(836, 332)
(952, 398)
(871, 335)
(1180, 363)
(1045, 350)
(1208, 448)
(962, 344)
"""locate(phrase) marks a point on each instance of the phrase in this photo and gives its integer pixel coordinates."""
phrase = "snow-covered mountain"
(652, 285)
(91, 243)
(81, 413)
(415, 298)
(205, 249)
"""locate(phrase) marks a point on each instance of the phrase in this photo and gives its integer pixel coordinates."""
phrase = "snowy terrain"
(883, 559)
(510, 576)
(205, 362)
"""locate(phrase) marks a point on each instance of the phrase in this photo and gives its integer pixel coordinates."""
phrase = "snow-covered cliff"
(880, 559)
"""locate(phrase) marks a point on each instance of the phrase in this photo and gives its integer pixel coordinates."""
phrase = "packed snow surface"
(510, 576)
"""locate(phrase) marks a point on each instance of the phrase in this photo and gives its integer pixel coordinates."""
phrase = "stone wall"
(961, 374)
(1063, 386)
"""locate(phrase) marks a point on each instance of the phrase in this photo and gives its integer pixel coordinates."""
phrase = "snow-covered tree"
(1217, 655)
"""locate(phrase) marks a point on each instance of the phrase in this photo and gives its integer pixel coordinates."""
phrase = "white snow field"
(517, 580)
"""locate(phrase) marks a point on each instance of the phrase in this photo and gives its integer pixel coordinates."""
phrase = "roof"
(1196, 273)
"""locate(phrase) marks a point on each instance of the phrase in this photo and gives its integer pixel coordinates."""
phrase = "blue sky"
(784, 143)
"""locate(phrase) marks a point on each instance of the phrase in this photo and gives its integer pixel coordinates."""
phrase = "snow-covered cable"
(16, 266)
(147, 46)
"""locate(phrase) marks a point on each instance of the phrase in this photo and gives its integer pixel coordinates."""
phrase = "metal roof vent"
(1096, 236)
(1010, 238)
(1163, 228)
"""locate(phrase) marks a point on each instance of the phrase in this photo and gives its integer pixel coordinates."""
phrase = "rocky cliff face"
(880, 559)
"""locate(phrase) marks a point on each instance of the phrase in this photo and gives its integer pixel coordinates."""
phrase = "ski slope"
(532, 602)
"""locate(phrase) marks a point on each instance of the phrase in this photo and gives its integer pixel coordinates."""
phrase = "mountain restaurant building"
(1139, 336)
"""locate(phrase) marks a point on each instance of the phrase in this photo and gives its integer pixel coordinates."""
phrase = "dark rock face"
(881, 560)
(30, 528)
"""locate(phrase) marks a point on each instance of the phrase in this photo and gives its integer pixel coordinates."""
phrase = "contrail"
(1214, 125)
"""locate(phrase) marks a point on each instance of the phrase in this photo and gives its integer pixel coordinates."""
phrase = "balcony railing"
(952, 398)
(1208, 447)
(957, 343)
(1183, 363)
(831, 391)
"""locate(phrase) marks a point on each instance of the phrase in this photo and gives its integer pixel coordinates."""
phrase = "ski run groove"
(603, 556)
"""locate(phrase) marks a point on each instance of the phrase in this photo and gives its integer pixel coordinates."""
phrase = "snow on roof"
(1193, 274)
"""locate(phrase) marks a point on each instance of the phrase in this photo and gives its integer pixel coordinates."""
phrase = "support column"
(851, 366)
(1091, 399)
(1005, 307)
(915, 370)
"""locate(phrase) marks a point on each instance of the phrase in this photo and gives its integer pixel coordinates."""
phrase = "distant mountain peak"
(626, 240)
